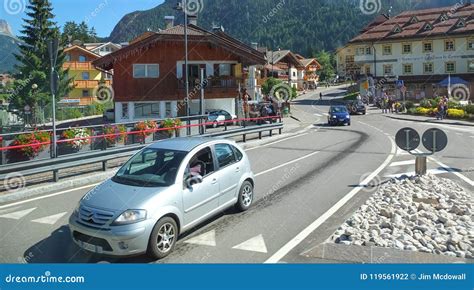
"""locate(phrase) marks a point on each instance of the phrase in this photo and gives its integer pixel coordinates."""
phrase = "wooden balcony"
(73, 65)
(89, 84)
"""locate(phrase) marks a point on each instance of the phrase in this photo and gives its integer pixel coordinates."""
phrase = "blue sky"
(101, 14)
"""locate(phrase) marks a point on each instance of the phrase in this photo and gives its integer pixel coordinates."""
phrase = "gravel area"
(426, 214)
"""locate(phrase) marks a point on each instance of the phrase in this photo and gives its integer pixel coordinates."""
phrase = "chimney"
(217, 28)
(192, 19)
(169, 21)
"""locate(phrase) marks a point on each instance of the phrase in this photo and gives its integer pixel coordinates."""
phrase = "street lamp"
(181, 6)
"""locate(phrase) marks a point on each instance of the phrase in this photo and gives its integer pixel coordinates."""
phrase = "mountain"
(304, 26)
(8, 46)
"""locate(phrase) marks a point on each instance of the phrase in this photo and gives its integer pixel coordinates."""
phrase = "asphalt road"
(306, 186)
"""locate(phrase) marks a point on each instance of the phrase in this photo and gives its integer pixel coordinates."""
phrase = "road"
(306, 186)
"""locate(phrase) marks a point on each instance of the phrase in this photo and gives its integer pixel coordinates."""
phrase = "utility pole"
(54, 80)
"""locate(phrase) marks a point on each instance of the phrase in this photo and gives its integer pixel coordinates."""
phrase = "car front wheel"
(245, 196)
(163, 238)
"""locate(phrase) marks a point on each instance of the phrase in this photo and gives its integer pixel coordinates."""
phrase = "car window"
(238, 154)
(225, 155)
(201, 164)
(151, 168)
(338, 110)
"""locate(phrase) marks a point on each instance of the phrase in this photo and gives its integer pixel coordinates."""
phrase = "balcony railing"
(89, 84)
(212, 83)
(74, 65)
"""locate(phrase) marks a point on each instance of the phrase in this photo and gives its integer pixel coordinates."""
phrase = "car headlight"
(347, 116)
(334, 117)
(130, 216)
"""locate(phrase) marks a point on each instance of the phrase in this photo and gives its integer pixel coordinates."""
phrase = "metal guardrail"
(54, 165)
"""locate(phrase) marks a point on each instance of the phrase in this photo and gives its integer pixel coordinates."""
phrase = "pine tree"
(32, 87)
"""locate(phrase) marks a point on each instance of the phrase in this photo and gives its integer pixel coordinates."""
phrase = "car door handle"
(214, 181)
(237, 169)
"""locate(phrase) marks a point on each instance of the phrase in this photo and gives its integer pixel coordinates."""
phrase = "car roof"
(186, 144)
(337, 106)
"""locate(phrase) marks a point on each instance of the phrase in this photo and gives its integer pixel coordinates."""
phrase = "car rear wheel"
(245, 196)
(163, 238)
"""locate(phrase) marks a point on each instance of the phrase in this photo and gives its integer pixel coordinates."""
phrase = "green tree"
(326, 60)
(275, 86)
(32, 85)
(73, 31)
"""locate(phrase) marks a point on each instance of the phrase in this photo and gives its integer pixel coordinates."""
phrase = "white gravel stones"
(426, 214)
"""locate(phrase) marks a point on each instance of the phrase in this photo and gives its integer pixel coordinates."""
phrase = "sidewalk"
(431, 120)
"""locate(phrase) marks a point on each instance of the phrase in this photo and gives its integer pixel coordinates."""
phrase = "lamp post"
(181, 6)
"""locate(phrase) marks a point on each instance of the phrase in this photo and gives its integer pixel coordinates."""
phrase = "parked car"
(164, 190)
(217, 116)
(356, 107)
(109, 115)
(339, 115)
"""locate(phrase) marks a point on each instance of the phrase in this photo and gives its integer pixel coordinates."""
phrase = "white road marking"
(402, 152)
(49, 195)
(286, 163)
(275, 258)
(276, 142)
(255, 244)
(403, 163)
(18, 214)
(450, 170)
(206, 239)
(318, 115)
(50, 220)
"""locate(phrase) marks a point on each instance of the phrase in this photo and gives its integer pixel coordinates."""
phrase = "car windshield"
(151, 168)
(338, 110)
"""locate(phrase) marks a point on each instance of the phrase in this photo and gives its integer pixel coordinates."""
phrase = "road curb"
(98, 177)
(431, 121)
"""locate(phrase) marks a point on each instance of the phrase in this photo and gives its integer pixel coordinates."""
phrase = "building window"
(406, 48)
(449, 45)
(388, 69)
(108, 76)
(368, 50)
(428, 68)
(85, 93)
(470, 66)
(387, 49)
(168, 112)
(408, 69)
(67, 57)
(147, 110)
(124, 110)
(367, 70)
(360, 51)
(225, 69)
(470, 44)
(143, 71)
(82, 58)
(427, 46)
(450, 67)
(86, 76)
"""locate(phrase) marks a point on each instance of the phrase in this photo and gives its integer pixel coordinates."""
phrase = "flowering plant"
(114, 133)
(145, 128)
(77, 137)
(171, 125)
(37, 141)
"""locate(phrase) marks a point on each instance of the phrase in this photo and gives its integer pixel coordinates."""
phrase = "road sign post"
(53, 56)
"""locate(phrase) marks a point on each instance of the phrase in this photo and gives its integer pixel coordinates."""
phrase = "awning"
(454, 81)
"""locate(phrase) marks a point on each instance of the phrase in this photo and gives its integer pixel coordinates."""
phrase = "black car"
(356, 107)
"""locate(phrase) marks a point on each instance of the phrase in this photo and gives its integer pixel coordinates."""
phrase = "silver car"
(162, 191)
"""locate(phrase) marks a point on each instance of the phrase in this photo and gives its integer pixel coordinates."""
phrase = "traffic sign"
(435, 140)
(400, 83)
(407, 139)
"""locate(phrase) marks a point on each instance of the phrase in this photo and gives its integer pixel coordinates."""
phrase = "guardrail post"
(104, 165)
(245, 138)
(259, 135)
(279, 131)
(225, 126)
(3, 152)
(271, 133)
(56, 175)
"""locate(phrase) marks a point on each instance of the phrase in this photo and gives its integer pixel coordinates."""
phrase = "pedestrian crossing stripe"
(18, 214)
(50, 220)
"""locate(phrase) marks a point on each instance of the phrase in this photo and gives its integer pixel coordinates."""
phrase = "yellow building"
(86, 78)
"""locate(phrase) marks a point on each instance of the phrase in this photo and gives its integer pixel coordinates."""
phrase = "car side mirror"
(193, 180)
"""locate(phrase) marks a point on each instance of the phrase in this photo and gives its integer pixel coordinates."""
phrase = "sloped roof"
(274, 57)
(307, 61)
(194, 32)
(412, 24)
(77, 47)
